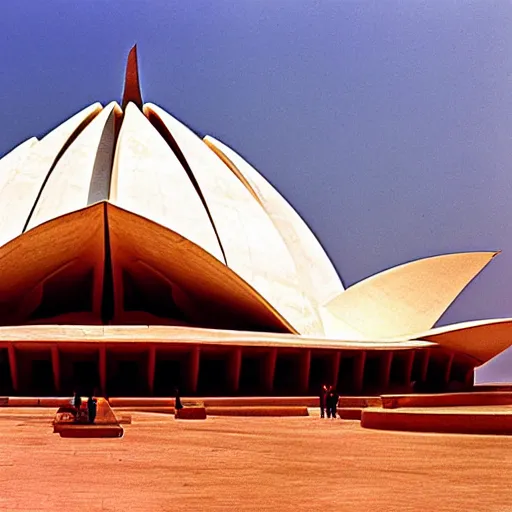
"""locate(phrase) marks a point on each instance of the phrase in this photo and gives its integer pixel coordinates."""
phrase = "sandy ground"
(248, 464)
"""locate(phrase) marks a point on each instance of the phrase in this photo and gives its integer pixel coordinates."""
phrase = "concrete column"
(305, 366)
(151, 369)
(448, 369)
(56, 368)
(385, 369)
(409, 361)
(270, 370)
(359, 372)
(335, 370)
(13, 367)
(102, 363)
(424, 366)
(235, 365)
(193, 369)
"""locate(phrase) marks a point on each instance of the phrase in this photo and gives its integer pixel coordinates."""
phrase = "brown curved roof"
(81, 240)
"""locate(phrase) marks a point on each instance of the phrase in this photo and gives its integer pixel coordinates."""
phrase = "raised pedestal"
(191, 413)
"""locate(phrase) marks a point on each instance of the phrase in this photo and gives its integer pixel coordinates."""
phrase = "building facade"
(137, 257)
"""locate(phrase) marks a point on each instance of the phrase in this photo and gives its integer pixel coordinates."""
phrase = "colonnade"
(149, 369)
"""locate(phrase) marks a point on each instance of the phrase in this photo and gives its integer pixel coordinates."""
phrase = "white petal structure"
(124, 216)
(149, 180)
(25, 179)
(14, 159)
(406, 299)
(253, 247)
(480, 339)
(68, 186)
(316, 272)
(150, 164)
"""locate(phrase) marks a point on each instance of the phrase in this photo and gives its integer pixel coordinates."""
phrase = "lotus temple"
(136, 257)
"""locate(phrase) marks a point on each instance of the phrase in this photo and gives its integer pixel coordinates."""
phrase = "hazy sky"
(387, 124)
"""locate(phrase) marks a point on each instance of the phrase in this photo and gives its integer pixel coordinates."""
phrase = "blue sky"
(387, 124)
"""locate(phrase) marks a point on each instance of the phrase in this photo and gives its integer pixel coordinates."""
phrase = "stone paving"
(248, 464)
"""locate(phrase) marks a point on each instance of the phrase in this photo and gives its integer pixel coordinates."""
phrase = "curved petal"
(61, 251)
(14, 158)
(221, 296)
(251, 243)
(409, 298)
(24, 180)
(74, 242)
(68, 187)
(481, 339)
(148, 179)
(316, 271)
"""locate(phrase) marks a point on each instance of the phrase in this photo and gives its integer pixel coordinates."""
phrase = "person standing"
(177, 400)
(335, 400)
(92, 406)
(332, 402)
(323, 400)
(77, 400)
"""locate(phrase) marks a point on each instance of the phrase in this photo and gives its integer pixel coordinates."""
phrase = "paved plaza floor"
(248, 464)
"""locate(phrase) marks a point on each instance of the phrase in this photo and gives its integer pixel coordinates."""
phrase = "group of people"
(328, 404)
(89, 410)
(328, 401)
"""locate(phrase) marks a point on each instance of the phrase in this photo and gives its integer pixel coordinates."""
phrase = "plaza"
(249, 464)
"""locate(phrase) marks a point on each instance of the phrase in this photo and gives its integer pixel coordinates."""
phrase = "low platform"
(105, 424)
(223, 406)
(481, 412)
(492, 420)
(236, 410)
(350, 413)
(90, 431)
(272, 411)
(462, 399)
(238, 401)
(195, 411)
(351, 407)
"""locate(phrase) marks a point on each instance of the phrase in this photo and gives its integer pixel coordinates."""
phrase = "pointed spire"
(131, 81)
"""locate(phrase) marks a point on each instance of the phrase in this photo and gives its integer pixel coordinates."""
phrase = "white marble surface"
(317, 274)
(149, 180)
(24, 179)
(67, 188)
(408, 298)
(254, 248)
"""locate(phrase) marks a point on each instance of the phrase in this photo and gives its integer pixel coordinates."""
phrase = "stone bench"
(191, 413)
